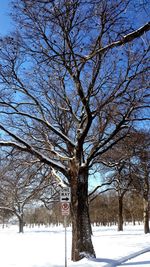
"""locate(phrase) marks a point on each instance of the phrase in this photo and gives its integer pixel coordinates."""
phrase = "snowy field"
(44, 247)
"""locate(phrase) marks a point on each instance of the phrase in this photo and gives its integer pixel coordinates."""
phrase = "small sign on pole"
(65, 209)
(65, 195)
(65, 199)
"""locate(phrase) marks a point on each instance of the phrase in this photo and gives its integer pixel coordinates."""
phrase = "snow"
(45, 247)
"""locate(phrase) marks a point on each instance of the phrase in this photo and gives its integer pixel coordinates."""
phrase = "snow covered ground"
(44, 247)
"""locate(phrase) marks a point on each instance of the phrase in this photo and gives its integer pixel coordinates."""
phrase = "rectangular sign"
(65, 209)
(65, 195)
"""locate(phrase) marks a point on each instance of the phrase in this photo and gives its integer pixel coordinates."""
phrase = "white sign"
(65, 195)
(65, 209)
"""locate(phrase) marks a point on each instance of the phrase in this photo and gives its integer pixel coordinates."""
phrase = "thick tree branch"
(125, 39)
(24, 146)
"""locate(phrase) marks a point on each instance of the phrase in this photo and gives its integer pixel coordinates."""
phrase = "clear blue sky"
(5, 20)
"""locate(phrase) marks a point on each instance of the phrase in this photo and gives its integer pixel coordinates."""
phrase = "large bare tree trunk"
(120, 213)
(81, 227)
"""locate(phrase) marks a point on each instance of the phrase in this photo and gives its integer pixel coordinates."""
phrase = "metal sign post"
(65, 225)
(65, 199)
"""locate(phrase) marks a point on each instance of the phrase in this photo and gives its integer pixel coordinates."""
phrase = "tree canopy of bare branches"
(73, 82)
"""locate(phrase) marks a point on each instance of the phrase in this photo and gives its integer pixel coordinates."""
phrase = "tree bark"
(146, 214)
(81, 227)
(146, 201)
(21, 223)
(120, 213)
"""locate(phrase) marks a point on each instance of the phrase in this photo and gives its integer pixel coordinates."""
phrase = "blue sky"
(5, 20)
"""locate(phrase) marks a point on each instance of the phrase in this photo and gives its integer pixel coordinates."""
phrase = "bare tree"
(128, 167)
(122, 181)
(118, 174)
(73, 78)
(21, 183)
(141, 175)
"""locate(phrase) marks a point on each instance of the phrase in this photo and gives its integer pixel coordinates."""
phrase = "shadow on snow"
(123, 260)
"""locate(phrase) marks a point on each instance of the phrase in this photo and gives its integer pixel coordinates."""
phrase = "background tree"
(130, 162)
(103, 209)
(141, 176)
(73, 78)
(5, 215)
(121, 183)
(133, 207)
(21, 182)
(118, 168)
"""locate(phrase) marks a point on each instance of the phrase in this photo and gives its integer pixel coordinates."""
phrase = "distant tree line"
(103, 212)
